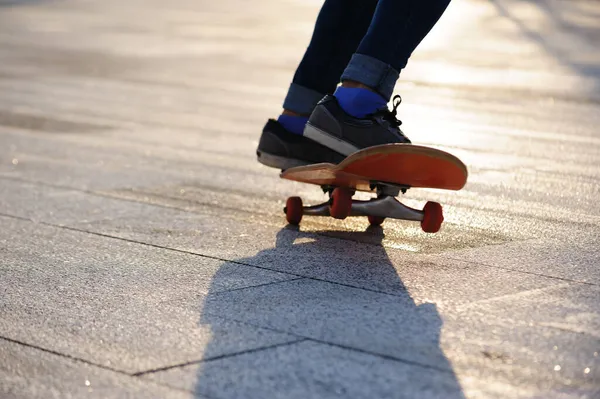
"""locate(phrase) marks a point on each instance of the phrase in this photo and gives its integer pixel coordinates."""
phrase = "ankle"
(293, 123)
(359, 101)
(351, 84)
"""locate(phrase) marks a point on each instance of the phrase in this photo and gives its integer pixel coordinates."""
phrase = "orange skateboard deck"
(405, 165)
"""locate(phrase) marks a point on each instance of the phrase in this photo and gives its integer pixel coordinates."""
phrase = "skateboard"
(385, 170)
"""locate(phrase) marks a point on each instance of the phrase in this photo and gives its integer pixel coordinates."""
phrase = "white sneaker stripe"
(324, 138)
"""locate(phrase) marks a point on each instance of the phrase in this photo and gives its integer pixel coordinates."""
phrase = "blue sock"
(359, 102)
(292, 123)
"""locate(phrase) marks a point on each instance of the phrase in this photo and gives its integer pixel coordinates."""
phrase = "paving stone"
(353, 258)
(104, 163)
(575, 257)
(32, 373)
(569, 307)
(310, 369)
(103, 300)
(59, 205)
(383, 268)
(396, 326)
(320, 370)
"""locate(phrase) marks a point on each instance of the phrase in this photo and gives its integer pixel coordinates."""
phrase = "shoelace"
(390, 116)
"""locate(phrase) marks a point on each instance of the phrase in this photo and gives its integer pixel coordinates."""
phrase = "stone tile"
(260, 201)
(310, 369)
(85, 257)
(117, 161)
(569, 307)
(353, 258)
(395, 326)
(31, 373)
(59, 205)
(574, 256)
(491, 343)
(197, 200)
(96, 298)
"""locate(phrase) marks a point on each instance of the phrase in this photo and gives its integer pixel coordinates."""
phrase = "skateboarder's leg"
(368, 80)
(339, 29)
(356, 116)
(397, 28)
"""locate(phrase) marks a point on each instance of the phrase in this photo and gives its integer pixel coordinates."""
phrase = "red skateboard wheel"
(432, 218)
(341, 203)
(293, 210)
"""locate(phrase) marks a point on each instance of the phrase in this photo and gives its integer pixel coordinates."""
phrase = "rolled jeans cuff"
(301, 100)
(372, 72)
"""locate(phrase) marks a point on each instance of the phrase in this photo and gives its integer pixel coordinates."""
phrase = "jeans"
(366, 41)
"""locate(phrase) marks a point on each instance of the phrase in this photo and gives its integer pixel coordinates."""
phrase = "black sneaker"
(278, 148)
(332, 127)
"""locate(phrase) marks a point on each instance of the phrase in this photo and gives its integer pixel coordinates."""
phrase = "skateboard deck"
(404, 165)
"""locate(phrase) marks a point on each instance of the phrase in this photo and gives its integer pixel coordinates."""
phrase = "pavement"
(144, 252)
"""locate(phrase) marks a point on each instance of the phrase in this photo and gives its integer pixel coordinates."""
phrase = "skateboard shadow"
(351, 339)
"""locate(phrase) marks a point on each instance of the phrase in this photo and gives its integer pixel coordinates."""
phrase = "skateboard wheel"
(341, 203)
(375, 220)
(432, 217)
(293, 210)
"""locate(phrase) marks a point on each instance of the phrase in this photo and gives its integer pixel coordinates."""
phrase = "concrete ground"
(144, 253)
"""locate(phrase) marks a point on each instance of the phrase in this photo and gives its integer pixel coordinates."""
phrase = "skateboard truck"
(341, 205)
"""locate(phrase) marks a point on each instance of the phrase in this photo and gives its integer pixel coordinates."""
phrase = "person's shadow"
(343, 325)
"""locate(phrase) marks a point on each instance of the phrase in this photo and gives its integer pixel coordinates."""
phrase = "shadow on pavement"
(353, 342)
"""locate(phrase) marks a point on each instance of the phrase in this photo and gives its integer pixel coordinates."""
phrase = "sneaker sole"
(276, 161)
(328, 140)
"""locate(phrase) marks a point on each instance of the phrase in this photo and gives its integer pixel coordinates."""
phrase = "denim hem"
(372, 72)
(301, 100)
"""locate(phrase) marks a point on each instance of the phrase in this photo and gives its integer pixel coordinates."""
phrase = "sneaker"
(332, 127)
(278, 148)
